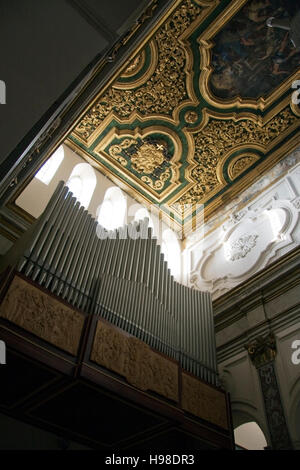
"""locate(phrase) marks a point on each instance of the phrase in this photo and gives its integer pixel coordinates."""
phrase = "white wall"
(36, 195)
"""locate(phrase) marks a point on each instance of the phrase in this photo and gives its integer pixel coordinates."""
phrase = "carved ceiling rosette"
(149, 159)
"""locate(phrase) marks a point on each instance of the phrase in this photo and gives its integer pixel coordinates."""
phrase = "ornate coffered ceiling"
(200, 110)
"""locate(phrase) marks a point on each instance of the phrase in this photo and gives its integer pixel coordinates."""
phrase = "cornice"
(262, 285)
(236, 305)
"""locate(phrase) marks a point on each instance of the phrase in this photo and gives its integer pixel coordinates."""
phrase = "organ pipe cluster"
(122, 277)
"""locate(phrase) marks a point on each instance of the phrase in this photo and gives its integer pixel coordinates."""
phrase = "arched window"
(50, 167)
(113, 209)
(171, 250)
(141, 214)
(82, 183)
(250, 436)
(75, 186)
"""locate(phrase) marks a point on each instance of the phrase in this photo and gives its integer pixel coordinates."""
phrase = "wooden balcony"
(86, 380)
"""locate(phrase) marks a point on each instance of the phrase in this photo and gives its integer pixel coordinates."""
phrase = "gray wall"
(44, 45)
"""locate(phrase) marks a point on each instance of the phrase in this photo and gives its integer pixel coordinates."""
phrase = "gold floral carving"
(152, 184)
(240, 164)
(159, 184)
(164, 90)
(116, 149)
(218, 138)
(191, 117)
(147, 159)
(37, 312)
(134, 360)
(134, 75)
(204, 401)
(135, 65)
(218, 141)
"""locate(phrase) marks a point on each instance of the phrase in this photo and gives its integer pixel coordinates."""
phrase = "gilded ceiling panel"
(200, 110)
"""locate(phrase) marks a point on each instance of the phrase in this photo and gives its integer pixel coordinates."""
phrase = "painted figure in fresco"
(256, 10)
(251, 59)
(293, 26)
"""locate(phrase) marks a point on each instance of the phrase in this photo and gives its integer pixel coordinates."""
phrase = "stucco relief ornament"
(241, 247)
(237, 216)
(234, 218)
(193, 279)
(296, 203)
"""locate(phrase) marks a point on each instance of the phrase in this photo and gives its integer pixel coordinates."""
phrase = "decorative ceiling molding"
(163, 134)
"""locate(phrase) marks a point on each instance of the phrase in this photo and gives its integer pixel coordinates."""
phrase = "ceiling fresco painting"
(250, 59)
(170, 135)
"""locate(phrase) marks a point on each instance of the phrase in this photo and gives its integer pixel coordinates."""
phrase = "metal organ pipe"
(39, 227)
(120, 275)
(75, 214)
